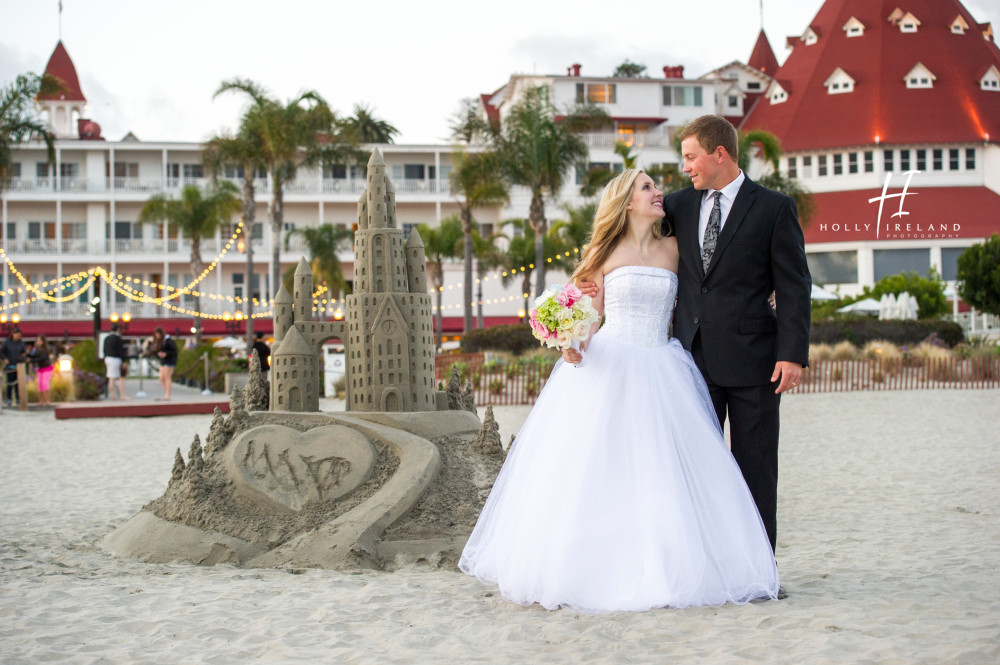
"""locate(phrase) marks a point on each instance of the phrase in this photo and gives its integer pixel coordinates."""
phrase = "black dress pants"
(753, 429)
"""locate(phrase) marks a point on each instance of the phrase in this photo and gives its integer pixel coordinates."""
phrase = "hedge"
(515, 338)
(860, 331)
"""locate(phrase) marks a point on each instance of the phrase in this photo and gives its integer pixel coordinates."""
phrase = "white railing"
(640, 140)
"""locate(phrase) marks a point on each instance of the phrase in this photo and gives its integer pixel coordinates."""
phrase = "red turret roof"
(762, 59)
(61, 66)
(881, 108)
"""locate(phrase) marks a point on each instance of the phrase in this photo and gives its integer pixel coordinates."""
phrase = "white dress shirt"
(729, 193)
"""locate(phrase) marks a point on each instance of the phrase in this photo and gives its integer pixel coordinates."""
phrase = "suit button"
(697, 320)
(704, 289)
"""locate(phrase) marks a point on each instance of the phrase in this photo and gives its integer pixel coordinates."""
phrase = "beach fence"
(826, 376)
(496, 382)
(510, 382)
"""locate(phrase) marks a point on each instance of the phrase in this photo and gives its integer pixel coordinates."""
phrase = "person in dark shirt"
(166, 351)
(114, 358)
(12, 351)
(261, 350)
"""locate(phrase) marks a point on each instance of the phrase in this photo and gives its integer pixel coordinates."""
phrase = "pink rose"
(569, 295)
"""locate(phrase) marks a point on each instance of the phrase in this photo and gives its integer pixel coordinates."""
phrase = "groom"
(738, 242)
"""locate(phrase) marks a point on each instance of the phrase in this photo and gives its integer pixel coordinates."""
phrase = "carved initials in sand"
(325, 473)
(292, 468)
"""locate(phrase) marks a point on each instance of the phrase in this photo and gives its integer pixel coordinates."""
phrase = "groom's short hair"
(711, 132)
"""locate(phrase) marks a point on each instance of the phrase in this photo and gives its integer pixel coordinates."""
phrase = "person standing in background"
(12, 351)
(39, 356)
(261, 350)
(114, 359)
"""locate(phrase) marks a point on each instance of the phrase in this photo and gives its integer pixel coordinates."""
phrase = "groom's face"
(702, 167)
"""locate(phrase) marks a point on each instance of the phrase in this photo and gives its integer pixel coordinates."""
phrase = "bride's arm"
(571, 355)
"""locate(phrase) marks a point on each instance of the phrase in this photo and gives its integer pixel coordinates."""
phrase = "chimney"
(574, 70)
(676, 72)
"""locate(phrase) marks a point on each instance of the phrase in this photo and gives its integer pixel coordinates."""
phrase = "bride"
(619, 492)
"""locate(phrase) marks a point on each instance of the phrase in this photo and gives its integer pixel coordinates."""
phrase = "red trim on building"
(932, 213)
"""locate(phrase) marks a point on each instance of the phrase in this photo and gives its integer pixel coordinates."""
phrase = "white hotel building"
(843, 130)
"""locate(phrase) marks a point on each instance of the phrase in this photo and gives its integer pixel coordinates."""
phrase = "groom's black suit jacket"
(760, 249)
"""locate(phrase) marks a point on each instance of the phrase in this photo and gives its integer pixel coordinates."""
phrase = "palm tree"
(323, 243)
(302, 132)
(242, 150)
(18, 121)
(519, 257)
(537, 152)
(475, 183)
(197, 216)
(366, 128)
(574, 232)
(488, 257)
(596, 178)
(439, 245)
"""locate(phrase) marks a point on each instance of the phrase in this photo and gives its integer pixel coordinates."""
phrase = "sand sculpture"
(399, 477)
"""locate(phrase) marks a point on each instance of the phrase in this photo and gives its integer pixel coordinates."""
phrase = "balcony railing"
(262, 187)
(640, 140)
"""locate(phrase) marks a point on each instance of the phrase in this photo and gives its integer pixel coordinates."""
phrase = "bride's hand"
(572, 356)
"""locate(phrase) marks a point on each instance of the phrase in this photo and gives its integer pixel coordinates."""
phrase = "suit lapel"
(741, 206)
(691, 246)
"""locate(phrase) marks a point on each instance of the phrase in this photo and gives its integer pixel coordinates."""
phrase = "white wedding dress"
(619, 492)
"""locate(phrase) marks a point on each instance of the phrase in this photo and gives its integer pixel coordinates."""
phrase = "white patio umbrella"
(866, 306)
(819, 293)
(230, 343)
(888, 308)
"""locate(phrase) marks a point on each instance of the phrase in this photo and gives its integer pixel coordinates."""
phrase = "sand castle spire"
(302, 291)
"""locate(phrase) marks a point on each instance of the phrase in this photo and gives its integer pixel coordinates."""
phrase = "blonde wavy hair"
(610, 224)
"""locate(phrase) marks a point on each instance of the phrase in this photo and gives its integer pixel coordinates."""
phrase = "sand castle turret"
(303, 288)
(283, 317)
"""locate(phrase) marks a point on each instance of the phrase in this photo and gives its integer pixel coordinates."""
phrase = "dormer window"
(908, 23)
(959, 26)
(919, 77)
(839, 82)
(991, 79)
(777, 94)
(810, 37)
(854, 27)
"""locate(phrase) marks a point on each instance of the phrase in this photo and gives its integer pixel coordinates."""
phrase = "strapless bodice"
(638, 304)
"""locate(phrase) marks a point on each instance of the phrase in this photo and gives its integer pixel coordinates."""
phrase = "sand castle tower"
(390, 343)
(386, 330)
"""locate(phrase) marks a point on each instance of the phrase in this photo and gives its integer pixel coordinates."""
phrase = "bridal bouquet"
(562, 317)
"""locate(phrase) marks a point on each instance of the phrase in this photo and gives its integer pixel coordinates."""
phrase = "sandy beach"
(888, 546)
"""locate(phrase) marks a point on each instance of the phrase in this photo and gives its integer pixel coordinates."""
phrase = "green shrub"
(516, 339)
(860, 331)
(85, 358)
(497, 386)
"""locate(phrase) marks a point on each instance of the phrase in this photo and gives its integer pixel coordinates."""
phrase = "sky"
(152, 67)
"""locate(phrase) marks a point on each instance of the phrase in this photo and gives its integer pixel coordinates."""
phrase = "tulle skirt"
(619, 493)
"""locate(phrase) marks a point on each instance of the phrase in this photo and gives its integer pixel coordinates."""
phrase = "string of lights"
(121, 284)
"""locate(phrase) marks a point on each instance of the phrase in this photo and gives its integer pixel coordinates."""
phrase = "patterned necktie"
(711, 233)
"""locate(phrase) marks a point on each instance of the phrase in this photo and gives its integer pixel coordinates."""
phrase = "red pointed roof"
(881, 108)
(61, 66)
(762, 59)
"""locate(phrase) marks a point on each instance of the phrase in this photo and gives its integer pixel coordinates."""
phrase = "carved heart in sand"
(291, 467)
